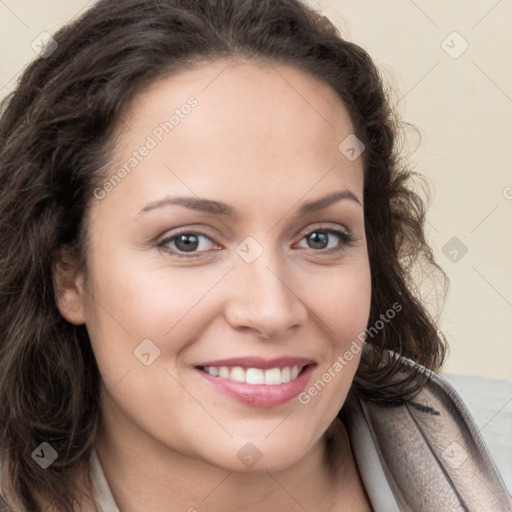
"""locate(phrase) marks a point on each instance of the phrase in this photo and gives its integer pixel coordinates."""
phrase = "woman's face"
(254, 272)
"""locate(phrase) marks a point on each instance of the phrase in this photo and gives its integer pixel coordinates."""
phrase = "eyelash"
(344, 237)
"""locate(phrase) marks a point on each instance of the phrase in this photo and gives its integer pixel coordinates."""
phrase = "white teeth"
(238, 374)
(270, 377)
(254, 376)
(286, 374)
(224, 372)
(273, 376)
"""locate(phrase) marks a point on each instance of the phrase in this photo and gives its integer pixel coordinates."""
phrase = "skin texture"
(263, 139)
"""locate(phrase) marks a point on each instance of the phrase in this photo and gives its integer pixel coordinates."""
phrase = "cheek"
(343, 302)
(133, 302)
(147, 301)
(342, 309)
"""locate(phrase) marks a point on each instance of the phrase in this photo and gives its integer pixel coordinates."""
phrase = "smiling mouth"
(256, 376)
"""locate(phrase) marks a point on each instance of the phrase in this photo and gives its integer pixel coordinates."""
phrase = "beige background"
(463, 109)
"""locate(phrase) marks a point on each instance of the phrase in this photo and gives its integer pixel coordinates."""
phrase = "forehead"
(263, 127)
(247, 94)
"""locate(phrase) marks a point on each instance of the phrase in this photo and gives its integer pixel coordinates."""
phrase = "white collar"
(104, 500)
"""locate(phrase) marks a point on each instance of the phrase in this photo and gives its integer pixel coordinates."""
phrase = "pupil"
(318, 238)
(190, 242)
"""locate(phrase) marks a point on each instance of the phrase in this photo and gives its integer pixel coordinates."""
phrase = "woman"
(205, 277)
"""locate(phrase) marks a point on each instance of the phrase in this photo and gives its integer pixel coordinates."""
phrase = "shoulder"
(489, 402)
(432, 446)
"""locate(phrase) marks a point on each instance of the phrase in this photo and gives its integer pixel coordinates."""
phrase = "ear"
(69, 290)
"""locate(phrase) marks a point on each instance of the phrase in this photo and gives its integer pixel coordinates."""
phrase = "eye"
(319, 239)
(186, 242)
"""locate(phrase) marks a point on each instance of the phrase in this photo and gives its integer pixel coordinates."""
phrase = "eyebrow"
(220, 208)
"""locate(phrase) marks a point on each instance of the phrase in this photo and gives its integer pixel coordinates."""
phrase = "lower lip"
(261, 395)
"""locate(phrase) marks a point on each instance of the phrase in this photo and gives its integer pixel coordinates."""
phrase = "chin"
(277, 452)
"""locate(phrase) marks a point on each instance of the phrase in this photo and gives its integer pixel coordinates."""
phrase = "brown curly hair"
(57, 130)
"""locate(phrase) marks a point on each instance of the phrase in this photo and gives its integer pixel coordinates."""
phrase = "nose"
(263, 298)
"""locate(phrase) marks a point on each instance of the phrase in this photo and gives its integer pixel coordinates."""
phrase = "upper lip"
(259, 362)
